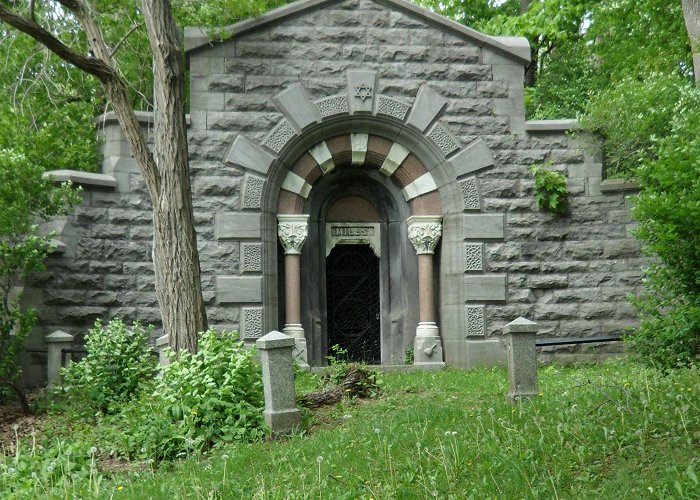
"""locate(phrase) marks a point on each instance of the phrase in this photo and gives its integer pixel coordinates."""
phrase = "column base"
(299, 353)
(427, 350)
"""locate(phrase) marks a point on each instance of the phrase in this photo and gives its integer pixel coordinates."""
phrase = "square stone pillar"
(281, 413)
(522, 359)
(161, 343)
(56, 342)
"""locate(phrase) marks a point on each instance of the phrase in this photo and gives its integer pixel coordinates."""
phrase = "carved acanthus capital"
(424, 231)
(292, 231)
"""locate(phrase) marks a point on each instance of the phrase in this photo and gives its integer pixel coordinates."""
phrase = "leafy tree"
(91, 40)
(668, 211)
(25, 198)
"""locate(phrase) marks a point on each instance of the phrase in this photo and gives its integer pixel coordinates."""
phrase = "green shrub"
(26, 199)
(118, 362)
(668, 211)
(199, 400)
(630, 115)
(551, 191)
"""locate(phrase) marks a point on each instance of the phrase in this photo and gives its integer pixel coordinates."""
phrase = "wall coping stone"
(618, 186)
(551, 125)
(196, 39)
(144, 117)
(81, 178)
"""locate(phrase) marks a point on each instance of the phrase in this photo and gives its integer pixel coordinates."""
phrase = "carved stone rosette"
(292, 231)
(424, 231)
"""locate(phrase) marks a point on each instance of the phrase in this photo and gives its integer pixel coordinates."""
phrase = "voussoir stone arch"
(406, 142)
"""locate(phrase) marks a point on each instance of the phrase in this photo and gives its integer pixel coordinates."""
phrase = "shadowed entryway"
(352, 301)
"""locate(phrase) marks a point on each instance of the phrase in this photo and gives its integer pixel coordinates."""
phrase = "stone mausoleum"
(360, 177)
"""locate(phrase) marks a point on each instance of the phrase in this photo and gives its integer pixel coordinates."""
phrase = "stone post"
(56, 342)
(292, 231)
(522, 359)
(161, 343)
(424, 231)
(281, 413)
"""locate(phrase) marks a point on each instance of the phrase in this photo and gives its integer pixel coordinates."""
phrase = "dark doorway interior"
(352, 301)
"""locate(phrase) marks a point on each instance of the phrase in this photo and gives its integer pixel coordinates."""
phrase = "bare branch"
(120, 42)
(90, 65)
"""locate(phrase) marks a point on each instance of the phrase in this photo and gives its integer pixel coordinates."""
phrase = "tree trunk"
(175, 255)
(524, 5)
(691, 14)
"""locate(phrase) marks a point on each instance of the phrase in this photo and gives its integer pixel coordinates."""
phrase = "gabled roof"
(515, 48)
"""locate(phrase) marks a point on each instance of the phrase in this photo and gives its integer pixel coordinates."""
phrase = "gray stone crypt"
(360, 177)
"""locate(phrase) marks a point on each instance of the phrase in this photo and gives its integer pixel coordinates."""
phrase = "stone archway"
(406, 146)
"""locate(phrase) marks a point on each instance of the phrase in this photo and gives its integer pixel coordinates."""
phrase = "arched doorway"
(353, 303)
(356, 269)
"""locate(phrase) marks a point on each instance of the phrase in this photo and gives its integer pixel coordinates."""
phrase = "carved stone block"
(443, 139)
(470, 194)
(252, 257)
(279, 136)
(251, 322)
(334, 105)
(392, 107)
(474, 260)
(252, 191)
(475, 321)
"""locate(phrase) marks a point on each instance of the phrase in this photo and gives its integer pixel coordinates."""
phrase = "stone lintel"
(551, 125)
(422, 185)
(427, 106)
(247, 154)
(230, 226)
(483, 226)
(296, 106)
(476, 156)
(238, 289)
(86, 179)
(618, 186)
(485, 287)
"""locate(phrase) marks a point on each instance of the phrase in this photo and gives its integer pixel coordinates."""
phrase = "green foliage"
(668, 211)
(629, 116)
(118, 363)
(26, 199)
(211, 397)
(472, 13)
(551, 191)
(450, 434)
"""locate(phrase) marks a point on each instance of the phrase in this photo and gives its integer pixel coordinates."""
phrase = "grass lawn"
(614, 430)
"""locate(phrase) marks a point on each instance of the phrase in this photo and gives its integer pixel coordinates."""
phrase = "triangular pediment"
(513, 48)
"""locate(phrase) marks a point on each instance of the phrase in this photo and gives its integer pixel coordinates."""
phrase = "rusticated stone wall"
(457, 93)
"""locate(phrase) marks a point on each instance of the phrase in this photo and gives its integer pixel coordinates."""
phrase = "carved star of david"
(363, 91)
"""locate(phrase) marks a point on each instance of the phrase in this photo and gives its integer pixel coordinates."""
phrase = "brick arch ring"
(355, 129)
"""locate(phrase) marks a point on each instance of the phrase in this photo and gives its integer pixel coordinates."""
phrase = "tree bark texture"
(691, 14)
(166, 170)
(175, 255)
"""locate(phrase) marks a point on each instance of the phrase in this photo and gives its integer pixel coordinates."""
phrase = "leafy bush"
(668, 211)
(628, 116)
(117, 363)
(26, 199)
(201, 399)
(550, 190)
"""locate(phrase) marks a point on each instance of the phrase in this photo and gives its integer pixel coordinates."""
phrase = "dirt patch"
(15, 426)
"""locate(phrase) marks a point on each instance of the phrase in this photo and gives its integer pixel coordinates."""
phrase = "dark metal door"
(352, 301)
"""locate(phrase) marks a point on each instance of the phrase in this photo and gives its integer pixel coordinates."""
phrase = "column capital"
(292, 231)
(424, 231)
